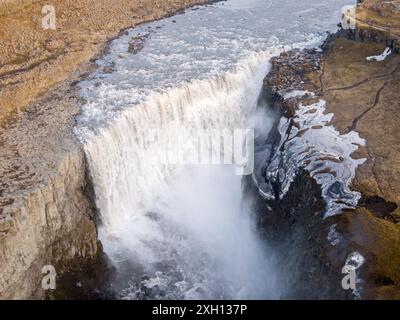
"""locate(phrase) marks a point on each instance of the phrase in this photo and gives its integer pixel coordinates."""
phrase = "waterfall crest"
(153, 215)
(126, 162)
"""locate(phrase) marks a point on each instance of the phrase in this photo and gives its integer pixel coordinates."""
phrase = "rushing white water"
(158, 220)
(185, 232)
(200, 242)
(134, 157)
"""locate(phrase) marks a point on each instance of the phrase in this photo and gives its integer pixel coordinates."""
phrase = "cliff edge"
(354, 81)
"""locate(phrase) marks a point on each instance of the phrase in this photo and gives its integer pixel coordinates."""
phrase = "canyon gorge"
(88, 116)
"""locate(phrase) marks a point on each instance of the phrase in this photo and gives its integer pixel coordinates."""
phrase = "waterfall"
(126, 162)
(184, 230)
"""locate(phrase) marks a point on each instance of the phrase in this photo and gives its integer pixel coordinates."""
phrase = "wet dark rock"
(109, 69)
(136, 44)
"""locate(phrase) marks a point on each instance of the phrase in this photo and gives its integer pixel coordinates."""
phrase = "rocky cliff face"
(46, 216)
(51, 225)
(362, 96)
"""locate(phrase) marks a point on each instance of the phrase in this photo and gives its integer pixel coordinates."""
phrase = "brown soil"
(379, 16)
(364, 97)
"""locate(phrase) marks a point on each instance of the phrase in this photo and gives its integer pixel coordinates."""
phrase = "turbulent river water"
(174, 231)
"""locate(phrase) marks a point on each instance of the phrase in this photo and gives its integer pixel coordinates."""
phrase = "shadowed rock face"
(363, 96)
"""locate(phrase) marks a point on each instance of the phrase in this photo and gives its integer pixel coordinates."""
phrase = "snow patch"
(308, 141)
(296, 93)
(381, 57)
(355, 260)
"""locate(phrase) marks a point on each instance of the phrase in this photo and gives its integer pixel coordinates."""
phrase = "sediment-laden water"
(175, 231)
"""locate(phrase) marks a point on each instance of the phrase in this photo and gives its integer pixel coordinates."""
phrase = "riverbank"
(46, 210)
(33, 59)
(362, 95)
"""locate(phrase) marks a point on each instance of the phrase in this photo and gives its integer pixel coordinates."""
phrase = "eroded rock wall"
(52, 225)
